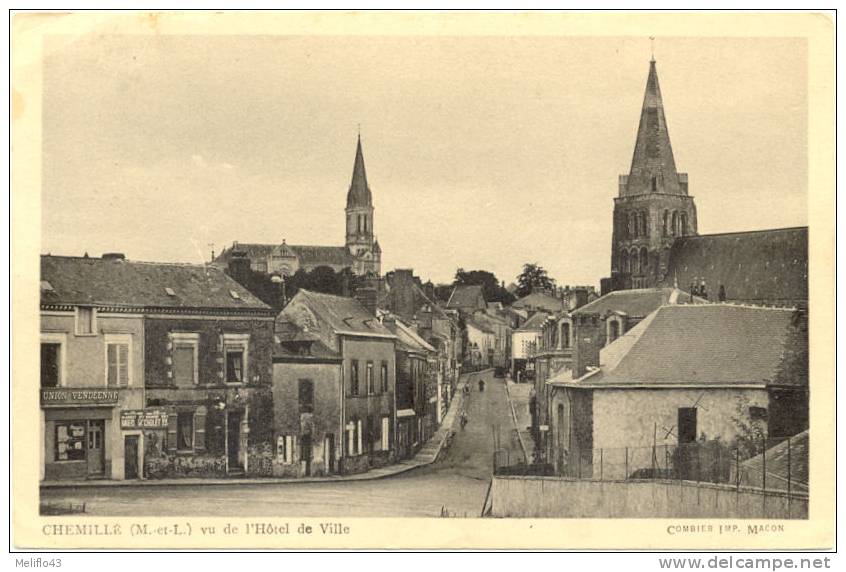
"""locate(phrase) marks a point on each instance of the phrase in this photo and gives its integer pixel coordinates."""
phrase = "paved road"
(456, 484)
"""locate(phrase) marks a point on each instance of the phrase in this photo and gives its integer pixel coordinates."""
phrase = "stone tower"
(361, 242)
(653, 206)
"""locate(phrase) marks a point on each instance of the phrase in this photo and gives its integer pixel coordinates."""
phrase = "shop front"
(80, 433)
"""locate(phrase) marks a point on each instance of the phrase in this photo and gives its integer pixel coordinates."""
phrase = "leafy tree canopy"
(533, 277)
(492, 289)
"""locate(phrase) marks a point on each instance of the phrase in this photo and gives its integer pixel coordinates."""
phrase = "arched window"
(565, 334)
(635, 263)
(684, 224)
(675, 224)
(624, 261)
(666, 220)
(644, 260)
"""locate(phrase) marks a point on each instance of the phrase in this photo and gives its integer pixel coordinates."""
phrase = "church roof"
(308, 255)
(757, 267)
(653, 154)
(359, 192)
(708, 344)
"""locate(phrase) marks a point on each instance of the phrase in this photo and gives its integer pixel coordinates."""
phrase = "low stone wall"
(555, 497)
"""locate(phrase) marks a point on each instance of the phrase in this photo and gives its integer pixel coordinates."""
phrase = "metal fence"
(768, 464)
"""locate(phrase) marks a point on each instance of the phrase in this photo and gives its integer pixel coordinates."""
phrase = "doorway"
(233, 440)
(130, 457)
(305, 452)
(96, 464)
(330, 453)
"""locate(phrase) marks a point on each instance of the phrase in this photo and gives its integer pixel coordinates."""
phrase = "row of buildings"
(695, 337)
(152, 370)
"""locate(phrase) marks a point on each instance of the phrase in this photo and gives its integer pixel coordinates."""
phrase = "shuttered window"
(117, 357)
(183, 365)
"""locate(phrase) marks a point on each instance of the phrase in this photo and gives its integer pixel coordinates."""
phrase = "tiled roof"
(636, 303)
(765, 267)
(540, 300)
(342, 314)
(752, 470)
(473, 322)
(116, 282)
(466, 297)
(409, 339)
(535, 322)
(289, 338)
(698, 344)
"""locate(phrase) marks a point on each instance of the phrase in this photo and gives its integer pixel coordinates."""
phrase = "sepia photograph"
(413, 273)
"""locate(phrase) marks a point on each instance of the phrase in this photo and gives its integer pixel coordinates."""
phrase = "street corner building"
(356, 432)
(151, 370)
(687, 383)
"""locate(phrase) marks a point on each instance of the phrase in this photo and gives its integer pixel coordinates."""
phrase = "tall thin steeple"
(359, 192)
(653, 167)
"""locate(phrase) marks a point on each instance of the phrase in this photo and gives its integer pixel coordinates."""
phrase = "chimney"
(366, 296)
(114, 256)
(578, 298)
(239, 266)
(587, 338)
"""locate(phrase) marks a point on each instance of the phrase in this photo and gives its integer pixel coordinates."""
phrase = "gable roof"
(540, 300)
(637, 303)
(467, 296)
(129, 283)
(289, 337)
(697, 344)
(409, 339)
(759, 267)
(535, 323)
(343, 315)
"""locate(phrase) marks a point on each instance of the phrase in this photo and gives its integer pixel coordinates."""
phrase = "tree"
(533, 277)
(492, 288)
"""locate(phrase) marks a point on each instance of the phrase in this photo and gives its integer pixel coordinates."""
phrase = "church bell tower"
(653, 206)
(361, 241)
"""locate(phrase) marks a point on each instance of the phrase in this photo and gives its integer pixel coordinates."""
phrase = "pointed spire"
(359, 193)
(653, 166)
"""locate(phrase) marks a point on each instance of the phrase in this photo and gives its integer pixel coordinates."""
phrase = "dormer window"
(169, 291)
(234, 295)
(46, 286)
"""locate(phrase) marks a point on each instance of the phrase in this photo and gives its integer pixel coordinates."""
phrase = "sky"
(481, 152)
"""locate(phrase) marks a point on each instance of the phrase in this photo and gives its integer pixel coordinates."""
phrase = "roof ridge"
(728, 233)
(133, 261)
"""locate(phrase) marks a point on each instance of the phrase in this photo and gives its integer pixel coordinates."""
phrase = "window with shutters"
(384, 377)
(185, 431)
(50, 356)
(117, 360)
(184, 359)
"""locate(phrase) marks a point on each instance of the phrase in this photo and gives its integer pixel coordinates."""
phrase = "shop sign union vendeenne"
(78, 396)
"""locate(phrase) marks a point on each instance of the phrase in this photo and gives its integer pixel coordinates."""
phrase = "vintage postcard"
(423, 280)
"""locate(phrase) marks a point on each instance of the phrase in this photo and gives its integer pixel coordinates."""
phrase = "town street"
(455, 485)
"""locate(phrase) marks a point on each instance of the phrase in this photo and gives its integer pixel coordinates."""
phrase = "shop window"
(70, 441)
(185, 431)
(354, 377)
(306, 396)
(384, 377)
(370, 384)
(235, 366)
(85, 321)
(50, 356)
(117, 363)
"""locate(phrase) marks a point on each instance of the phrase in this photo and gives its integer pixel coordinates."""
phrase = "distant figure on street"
(481, 385)
(721, 295)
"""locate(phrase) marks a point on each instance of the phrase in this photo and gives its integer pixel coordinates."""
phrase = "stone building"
(367, 351)
(180, 357)
(722, 378)
(361, 252)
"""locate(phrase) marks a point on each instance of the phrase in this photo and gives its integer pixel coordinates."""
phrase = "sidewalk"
(518, 399)
(427, 455)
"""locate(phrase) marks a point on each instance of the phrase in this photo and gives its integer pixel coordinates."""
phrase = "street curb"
(516, 426)
(194, 481)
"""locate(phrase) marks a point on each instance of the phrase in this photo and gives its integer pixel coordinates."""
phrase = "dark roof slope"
(308, 255)
(535, 322)
(111, 282)
(699, 344)
(540, 300)
(343, 314)
(636, 303)
(759, 267)
(471, 296)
